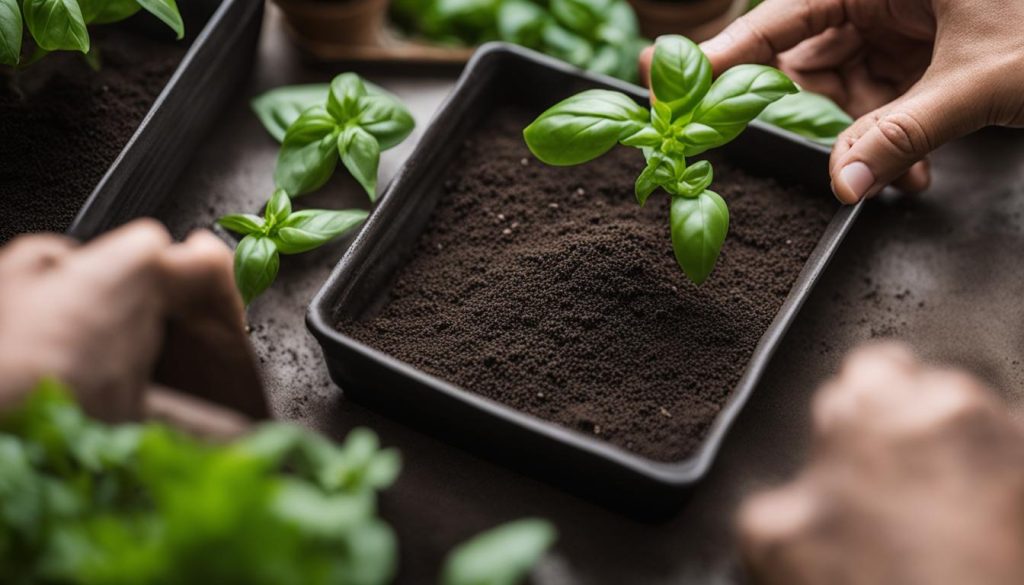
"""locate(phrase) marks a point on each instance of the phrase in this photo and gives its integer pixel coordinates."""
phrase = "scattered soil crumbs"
(63, 124)
(550, 290)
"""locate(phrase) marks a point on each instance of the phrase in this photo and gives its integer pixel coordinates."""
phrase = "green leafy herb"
(808, 114)
(350, 120)
(599, 35)
(691, 115)
(61, 25)
(280, 231)
(82, 502)
(500, 556)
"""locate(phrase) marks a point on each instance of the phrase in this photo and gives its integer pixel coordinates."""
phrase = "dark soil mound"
(551, 290)
(69, 123)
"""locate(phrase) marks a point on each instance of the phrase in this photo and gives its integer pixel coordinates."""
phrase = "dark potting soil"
(550, 290)
(63, 124)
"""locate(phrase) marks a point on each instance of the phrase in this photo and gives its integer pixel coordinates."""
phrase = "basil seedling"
(690, 116)
(353, 121)
(60, 25)
(280, 231)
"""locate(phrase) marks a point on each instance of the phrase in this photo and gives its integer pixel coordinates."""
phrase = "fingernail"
(855, 180)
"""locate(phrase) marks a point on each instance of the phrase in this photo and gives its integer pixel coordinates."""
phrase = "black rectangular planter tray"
(212, 70)
(581, 463)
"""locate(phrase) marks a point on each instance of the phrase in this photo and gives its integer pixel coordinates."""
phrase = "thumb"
(883, 145)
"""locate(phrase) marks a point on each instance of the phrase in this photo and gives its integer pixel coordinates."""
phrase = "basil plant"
(350, 120)
(281, 231)
(690, 116)
(61, 25)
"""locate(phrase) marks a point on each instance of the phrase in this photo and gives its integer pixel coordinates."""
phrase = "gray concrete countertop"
(941, 270)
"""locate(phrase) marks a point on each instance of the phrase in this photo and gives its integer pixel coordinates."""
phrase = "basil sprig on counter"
(352, 121)
(691, 115)
(281, 231)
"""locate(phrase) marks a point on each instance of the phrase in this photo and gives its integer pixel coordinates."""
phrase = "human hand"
(917, 73)
(102, 317)
(916, 477)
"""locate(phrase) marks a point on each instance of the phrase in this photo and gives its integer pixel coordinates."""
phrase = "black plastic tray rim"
(672, 475)
(223, 35)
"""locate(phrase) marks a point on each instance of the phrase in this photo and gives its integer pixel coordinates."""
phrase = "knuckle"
(905, 133)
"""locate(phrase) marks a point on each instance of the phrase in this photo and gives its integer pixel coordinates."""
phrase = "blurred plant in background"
(84, 502)
(597, 35)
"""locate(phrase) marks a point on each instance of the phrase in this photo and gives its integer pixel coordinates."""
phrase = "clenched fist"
(121, 318)
(916, 478)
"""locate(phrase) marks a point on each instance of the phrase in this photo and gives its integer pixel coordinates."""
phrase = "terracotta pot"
(356, 30)
(696, 19)
(335, 22)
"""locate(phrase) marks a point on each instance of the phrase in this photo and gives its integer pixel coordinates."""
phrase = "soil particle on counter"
(549, 289)
(63, 124)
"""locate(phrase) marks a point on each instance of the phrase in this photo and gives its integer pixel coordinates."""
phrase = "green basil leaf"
(680, 73)
(343, 98)
(107, 11)
(659, 172)
(808, 114)
(242, 223)
(256, 265)
(360, 153)
(566, 45)
(278, 208)
(56, 25)
(167, 12)
(278, 108)
(607, 60)
(582, 17)
(699, 225)
(385, 118)
(10, 32)
(470, 21)
(584, 126)
(521, 22)
(619, 26)
(661, 117)
(308, 154)
(694, 180)
(499, 556)
(646, 136)
(735, 98)
(307, 229)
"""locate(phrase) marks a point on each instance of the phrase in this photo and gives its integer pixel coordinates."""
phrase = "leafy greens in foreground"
(61, 25)
(83, 502)
(690, 115)
(281, 231)
(808, 114)
(316, 124)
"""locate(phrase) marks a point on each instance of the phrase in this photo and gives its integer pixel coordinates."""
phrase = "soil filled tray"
(84, 150)
(549, 289)
(537, 314)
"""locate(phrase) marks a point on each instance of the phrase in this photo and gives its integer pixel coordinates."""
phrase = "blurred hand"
(916, 478)
(114, 318)
(917, 73)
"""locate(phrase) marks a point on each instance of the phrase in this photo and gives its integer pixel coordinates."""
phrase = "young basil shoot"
(690, 116)
(353, 121)
(280, 231)
(61, 25)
